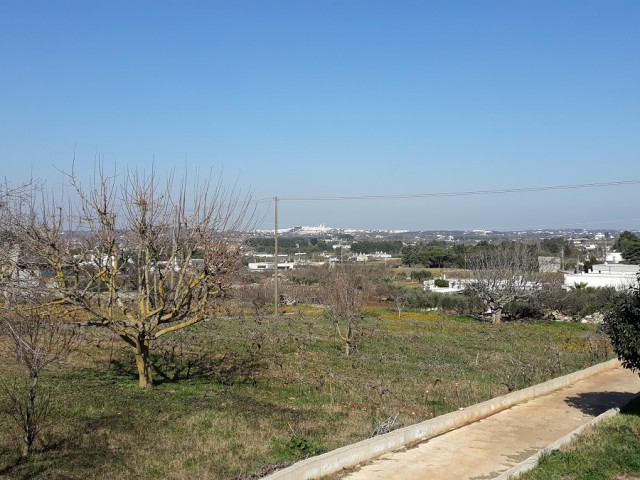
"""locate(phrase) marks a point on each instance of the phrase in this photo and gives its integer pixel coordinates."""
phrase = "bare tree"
(503, 274)
(141, 257)
(257, 296)
(36, 340)
(401, 297)
(10, 196)
(345, 297)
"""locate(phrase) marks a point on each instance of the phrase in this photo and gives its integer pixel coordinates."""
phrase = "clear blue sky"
(352, 97)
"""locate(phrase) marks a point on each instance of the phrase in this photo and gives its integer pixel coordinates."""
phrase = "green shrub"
(576, 303)
(422, 299)
(420, 275)
(622, 324)
(297, 447)
(530, 309)
(461, 303)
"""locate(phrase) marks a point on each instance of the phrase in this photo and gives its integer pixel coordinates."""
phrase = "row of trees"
(433, 255)
(392, 247)
(289, 245)
(439, 254)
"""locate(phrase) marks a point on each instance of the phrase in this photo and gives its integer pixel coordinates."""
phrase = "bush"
(420, 275)
(419, 299)
(297, 447)
(576, 303)
(440, 282)
(461, 303)
(422, 299)
(622, 324)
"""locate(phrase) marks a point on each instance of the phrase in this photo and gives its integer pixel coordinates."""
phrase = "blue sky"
(332, 98)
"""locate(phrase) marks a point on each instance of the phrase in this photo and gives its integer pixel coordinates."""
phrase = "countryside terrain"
(240, 395)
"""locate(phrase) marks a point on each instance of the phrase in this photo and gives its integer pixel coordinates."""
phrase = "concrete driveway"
(484, 449)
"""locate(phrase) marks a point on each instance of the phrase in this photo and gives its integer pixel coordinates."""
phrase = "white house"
(259, 266)
(454, 287)
(613, 257)
(617, 275)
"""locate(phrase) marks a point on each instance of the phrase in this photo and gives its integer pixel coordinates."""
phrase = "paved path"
(484, 449)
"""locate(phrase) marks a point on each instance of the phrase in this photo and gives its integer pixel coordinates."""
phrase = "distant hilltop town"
(577, 236)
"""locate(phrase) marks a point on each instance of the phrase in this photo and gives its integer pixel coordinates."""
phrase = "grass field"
(248, 394)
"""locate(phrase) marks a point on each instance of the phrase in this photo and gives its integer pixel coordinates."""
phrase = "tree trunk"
(145, 380)
(29, 420)
(496, 316)
(347, 341)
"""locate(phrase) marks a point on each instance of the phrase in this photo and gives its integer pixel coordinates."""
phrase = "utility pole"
(275, 258)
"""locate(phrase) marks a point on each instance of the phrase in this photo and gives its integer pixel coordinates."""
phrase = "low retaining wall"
(354, 454)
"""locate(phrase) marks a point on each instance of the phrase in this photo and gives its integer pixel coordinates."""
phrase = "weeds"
(385, 426)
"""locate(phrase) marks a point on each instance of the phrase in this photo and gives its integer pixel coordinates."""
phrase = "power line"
(449, 194)
(466, 193)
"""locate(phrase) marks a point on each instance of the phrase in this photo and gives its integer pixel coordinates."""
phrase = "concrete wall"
(597, 280)
(360, 452)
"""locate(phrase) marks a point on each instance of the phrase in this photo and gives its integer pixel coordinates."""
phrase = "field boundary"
(365, 450)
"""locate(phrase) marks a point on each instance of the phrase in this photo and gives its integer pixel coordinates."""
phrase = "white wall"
(617, 281)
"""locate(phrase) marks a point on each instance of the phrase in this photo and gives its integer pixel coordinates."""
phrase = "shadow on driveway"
(595, 403)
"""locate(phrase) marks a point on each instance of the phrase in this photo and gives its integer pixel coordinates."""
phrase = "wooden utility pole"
(275, 258)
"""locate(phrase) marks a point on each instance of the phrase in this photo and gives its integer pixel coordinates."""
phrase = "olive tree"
(139, 256)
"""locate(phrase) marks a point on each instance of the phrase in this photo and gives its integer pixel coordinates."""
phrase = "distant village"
(585, 258)
(593, 261)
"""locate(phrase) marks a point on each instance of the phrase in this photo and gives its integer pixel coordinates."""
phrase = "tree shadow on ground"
(83, 449)
(223, 369)
(596, 403)
(14, 469)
